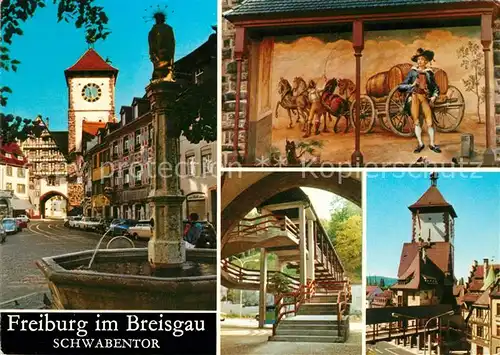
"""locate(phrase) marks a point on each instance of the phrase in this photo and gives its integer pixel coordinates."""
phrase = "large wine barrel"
(376, 86)
(441, 80)
(397, 74)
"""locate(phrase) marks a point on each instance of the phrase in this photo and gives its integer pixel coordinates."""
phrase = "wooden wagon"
(383, 101)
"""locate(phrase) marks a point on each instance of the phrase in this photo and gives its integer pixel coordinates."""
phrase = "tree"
(472, 58)
(15, 12)
(382, 283)
(348, 243)
(342, 211)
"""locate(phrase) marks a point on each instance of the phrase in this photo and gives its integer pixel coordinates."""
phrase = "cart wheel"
(366, 114)
(449, 114)
(384, 121)
(400, 122)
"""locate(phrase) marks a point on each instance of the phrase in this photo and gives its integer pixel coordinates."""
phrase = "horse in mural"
(337, 105)
(291, 101)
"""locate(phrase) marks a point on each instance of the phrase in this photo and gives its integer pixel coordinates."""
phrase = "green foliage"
(342, 210)
(15, 128)
(280, 283)
(348, 243)
(15, 12)
(195, 111)
(345, 231)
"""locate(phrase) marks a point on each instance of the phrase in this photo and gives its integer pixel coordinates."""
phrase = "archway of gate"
(241, 192)
(53, 204)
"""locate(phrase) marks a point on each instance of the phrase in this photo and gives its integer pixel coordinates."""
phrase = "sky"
(321, 201)
(474, 196)
(47, 48)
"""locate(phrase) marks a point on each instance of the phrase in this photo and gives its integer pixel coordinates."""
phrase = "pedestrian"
(423, 91)
(192, 231)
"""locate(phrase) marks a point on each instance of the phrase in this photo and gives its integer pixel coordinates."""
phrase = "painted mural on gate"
(307, 85)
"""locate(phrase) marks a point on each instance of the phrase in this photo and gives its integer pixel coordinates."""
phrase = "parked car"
(24, 218)
(3, 233)
(21, 223)
(141, 230)
(122, 227)
(10, 225)
(90, 224)
(72, 222)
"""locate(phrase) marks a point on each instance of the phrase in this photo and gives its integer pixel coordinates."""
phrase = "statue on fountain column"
(162, 48)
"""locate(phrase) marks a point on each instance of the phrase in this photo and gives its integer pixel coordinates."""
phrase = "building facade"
(14, 180)
(48, 185)
(426, 269)
(481, 308)
(119, 160)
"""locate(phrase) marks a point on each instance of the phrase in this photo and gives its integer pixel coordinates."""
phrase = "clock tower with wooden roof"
(91, 97)
(426, 268)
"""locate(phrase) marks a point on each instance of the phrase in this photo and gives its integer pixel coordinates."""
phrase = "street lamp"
(449, 313)
(242, 264)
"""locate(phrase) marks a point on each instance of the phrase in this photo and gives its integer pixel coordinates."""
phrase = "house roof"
(61, 140)
(413, 266)
(92, 127)
(91, 61)
(484, 299)
(371, 288)
(261, 7)
(432, 198)
(17, 157)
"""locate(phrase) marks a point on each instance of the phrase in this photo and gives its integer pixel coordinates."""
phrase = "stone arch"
(346, 185)
(47, 196)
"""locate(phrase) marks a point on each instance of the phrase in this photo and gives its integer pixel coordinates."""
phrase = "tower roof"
(432, 199)
(91, 61)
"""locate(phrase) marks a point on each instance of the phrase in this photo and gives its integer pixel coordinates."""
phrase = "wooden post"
(239, 51)
(486, 40)
(358, 43)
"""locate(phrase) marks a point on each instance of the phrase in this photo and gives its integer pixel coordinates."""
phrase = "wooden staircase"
(319, 314)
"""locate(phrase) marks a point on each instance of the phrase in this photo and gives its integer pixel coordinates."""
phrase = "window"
(479, 313)
(206, 164)
(8, 155)
(94, 161)
(116, 180)
(150, 134)
(198, 76)
(498, 310)
(8, 186)
(136, 111)
(21, 188)
(137, 138)
(9, 171)
(125, 144)
(115, 149)
(190, 166)
(498, 330)
(126, 178)
(21, 173)
(138, 175)
(479, 331)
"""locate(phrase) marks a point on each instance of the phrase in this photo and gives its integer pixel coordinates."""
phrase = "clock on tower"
(91, 87)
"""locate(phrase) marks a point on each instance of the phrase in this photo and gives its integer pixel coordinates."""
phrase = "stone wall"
(228, 71)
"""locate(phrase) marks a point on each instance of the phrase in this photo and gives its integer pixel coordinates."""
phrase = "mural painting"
(421, 90)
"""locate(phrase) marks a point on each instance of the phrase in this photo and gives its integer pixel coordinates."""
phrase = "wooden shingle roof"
(261, 7)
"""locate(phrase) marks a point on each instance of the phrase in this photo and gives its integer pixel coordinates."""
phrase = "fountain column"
(166, 248)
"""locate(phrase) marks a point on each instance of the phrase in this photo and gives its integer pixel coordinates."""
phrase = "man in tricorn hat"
(423, 91)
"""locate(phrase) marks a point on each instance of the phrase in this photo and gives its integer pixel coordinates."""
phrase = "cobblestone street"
(20, 276)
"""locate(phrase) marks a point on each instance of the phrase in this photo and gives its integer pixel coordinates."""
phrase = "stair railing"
(290, 302)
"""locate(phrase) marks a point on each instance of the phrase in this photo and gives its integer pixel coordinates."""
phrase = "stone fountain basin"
(120, 280)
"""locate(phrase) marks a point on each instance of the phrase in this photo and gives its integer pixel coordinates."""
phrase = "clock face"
(91, 92)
